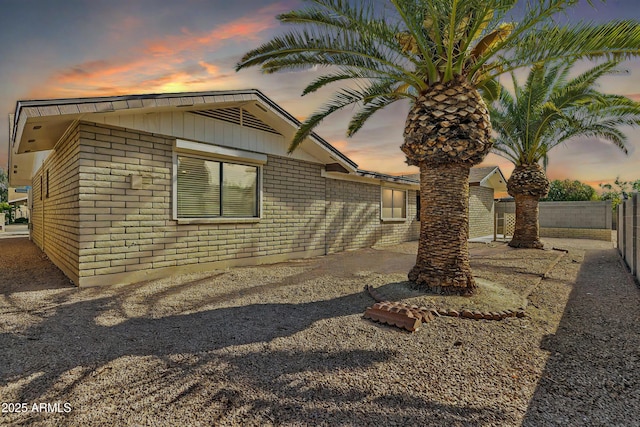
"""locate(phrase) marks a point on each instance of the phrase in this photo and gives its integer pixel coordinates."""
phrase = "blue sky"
(75, 48)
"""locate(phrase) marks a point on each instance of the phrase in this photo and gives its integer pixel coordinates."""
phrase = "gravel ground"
(287, 345)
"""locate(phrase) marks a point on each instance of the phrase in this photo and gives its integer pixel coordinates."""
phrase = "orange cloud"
(172, 63)
(211, 69)
(247, 27)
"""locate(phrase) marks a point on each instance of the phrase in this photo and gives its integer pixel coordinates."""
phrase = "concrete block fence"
(629, 234)
(576, 220)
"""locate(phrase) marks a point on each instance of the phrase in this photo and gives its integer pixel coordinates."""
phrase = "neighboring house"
(18, 200)
(484, 182)
(131, 188)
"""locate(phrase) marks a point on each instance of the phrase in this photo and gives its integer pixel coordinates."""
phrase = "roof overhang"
(375, 178)
(20, 199)
(39, 125)
(496, 180)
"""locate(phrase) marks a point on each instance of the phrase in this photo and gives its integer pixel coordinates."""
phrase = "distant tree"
(618, 191)
(568, 190)
(4, 186)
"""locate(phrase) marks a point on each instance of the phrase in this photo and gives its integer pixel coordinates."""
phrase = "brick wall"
(55, 217)
(100, 230)
(592, 215)
(481, 211)
(125, 230)
(353, 217)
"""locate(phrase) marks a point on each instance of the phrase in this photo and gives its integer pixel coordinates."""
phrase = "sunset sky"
(77, 48)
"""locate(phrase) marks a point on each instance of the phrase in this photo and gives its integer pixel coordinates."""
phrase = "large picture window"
(394, 204)
(216, 189)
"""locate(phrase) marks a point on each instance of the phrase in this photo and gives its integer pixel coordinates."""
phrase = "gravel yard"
(286, 344)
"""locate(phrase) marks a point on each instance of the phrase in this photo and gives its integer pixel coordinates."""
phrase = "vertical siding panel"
(210, 130)
(177, 124)
(188, 126)
(182, 124)
(166, 123)
(199, 128)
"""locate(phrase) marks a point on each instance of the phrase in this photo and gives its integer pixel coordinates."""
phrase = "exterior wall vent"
(238, 116)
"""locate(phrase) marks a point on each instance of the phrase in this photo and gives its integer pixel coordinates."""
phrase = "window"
(394, 204)
(216, 189)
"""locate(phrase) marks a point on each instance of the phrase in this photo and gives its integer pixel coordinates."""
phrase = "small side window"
(394, 204)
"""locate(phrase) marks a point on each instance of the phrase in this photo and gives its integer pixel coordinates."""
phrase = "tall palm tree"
(546, 111)
(436, 54)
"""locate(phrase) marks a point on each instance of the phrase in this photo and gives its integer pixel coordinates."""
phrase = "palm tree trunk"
(526, 233)
(442, 263)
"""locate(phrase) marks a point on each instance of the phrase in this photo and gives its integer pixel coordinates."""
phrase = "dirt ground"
(286, 344)
(26, 268)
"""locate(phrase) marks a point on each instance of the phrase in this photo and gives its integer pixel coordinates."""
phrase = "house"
(18, 200)
(130, 188)
(484, 182)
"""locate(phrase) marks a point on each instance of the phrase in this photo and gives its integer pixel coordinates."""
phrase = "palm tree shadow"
(187, 349)
(589, 366)
(335, 404)
(72, 338)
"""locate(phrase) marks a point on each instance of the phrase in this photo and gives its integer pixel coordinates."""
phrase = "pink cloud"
(211, 69)
(160, 65)
(247, 27)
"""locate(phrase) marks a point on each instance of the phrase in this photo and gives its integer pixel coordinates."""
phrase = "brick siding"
(56, 217)
(481, 211)
(353, 218)
(104, 231)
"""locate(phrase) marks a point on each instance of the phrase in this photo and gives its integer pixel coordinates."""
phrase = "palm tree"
(548, 110)
(436, 54)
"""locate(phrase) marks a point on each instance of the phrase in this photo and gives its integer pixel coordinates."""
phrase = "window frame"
(406, 204)
(244, 160)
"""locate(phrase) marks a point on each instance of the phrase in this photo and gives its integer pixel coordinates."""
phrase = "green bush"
(21, 221)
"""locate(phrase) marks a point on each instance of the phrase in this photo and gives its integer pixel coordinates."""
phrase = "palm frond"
(399, 49)
(616, 40)
(550, 109)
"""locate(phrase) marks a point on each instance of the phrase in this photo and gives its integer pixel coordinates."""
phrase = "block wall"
(636, 236)
(577, 233)
(56, 217)
(629, 234)
(576, 214)
(586, 220)
(127, 230)
(481, 211)
(106, 231)
(353, 217)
